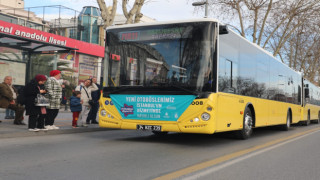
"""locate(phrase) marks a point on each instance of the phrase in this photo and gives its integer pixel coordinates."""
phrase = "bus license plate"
(149, 127)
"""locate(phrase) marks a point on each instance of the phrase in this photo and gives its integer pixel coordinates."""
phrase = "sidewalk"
(63, 121)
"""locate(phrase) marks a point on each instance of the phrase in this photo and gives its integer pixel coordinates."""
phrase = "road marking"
(209, 163)
(210, 170)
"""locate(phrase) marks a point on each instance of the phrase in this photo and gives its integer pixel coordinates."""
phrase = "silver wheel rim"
(247, 123)
(288, 121)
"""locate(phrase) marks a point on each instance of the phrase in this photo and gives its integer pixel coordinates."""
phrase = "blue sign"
(152, 107)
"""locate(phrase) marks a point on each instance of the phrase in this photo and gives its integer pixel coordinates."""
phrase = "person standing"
(54, 90)
(92, 116)
(36, 113)
(75, 107)
(8, 96)
(86, 90)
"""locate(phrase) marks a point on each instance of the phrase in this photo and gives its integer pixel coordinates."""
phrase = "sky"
(161, 10)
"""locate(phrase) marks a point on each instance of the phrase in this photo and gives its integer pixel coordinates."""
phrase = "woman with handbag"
(54, 91)
(32, 91)
(86, 90)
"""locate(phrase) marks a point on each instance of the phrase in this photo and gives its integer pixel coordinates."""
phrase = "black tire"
(159, 133)
(286, 126)
(246, 131)
(318, 120)
(307, 123)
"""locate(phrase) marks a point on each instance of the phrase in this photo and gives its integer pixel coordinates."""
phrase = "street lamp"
(201, 4)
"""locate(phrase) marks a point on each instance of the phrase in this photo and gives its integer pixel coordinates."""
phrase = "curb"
(52, 132)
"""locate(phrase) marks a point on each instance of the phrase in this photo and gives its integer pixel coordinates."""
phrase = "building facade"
(30, 27)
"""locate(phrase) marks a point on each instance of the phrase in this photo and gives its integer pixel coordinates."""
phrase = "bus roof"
(162, 23)
(197, 20)
(265, 51)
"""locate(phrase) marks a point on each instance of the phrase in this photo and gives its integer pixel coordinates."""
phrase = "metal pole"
(106, 67)
(43, 13)
(55, 61)
(59, 20)
(28, 13)
(206, 3)
(75, 22)
(206, 9)
(28, 68)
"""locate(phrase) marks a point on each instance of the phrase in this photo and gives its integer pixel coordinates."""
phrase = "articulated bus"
(197, 76)
(311, 103)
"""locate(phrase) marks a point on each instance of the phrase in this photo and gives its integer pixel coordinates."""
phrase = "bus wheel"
(307, 123)
(246, 131)
(159, 133)
(286, 126)
(318, 120)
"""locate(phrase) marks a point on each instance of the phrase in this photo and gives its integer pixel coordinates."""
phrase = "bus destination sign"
(129, 36)
(153, 34)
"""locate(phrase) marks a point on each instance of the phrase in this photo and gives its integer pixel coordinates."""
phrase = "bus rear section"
(310, 112)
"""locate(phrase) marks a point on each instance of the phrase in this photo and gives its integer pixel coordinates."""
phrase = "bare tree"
(279, 26)
(255, 16)
(290, 18)
(107, 14)
(302, 51)
(134, 15)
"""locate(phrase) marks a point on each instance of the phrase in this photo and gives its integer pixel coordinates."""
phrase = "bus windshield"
(174, 57)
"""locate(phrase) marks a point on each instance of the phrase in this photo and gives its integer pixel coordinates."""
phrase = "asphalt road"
(126, 154)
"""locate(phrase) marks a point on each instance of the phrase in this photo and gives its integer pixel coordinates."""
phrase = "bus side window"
(299, 94)
(226, 76)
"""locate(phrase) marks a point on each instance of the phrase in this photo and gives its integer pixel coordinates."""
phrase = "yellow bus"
(311, 104)
(195, 76)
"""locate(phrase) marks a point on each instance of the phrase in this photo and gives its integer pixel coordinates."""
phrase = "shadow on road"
(204, 140)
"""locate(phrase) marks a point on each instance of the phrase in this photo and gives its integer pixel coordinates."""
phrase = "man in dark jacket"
(8, 96)
(95, 107)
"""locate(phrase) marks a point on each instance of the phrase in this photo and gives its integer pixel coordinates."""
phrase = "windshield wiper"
(118, 90)
(185, 90)
(131, 85)
(124, 87)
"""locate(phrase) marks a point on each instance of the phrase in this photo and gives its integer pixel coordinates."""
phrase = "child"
(75, 107)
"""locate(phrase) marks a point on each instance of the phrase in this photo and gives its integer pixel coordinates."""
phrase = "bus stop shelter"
(31, 41)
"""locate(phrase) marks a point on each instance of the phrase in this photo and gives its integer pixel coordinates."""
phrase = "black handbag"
(91, 102)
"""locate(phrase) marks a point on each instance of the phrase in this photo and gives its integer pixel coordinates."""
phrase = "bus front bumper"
(203, 128)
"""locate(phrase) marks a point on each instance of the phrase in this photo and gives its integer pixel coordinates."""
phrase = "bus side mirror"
(306, 93)
(223, 29)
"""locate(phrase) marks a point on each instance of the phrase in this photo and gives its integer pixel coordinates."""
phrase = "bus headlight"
(196, 119)
(103, 113)
(205, 116)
